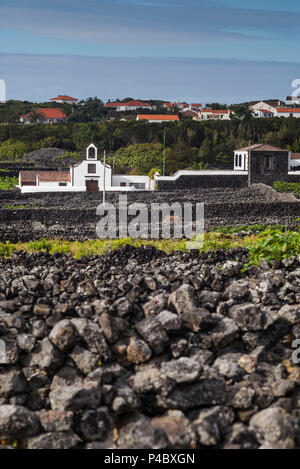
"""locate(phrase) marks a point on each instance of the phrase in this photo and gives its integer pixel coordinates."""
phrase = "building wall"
(80, 174)
(259, 174)
(241, 157)
(296, 115)
(262, 105)
(131, 179)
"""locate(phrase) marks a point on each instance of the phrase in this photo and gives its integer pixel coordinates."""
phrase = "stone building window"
(91, 168)
(268, 162)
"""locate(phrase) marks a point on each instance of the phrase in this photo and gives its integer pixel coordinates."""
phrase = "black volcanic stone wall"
(228, 181)
(205, 181)
(25, 225)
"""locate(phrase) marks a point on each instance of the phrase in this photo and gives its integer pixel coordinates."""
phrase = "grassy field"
(271, 243)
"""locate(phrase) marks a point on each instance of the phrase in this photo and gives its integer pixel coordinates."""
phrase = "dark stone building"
(268, 164)
(264, 164)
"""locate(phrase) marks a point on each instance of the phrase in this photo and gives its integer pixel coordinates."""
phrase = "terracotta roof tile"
(48, 113)
(133, 103)
(163, 117)
(45, 176)
(289, 110)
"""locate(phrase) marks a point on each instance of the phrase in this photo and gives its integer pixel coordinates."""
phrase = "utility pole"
(164, 154)
(104, 179)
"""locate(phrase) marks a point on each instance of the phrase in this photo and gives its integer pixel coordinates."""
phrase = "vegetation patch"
(7, 183)
(287, 187)
(17, 207)
(270, 244)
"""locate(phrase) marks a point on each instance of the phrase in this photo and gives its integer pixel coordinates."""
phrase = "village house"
(180, 106)
(87, 176)
(287, 112)
(241, 156)
(259, 163)
(44, 116)
(196, 106)
(129, 106)
(213, 114)
(187, 112)
(158, 118)
(264, 106)
(292, 101)
(64, 99)
(262, 113)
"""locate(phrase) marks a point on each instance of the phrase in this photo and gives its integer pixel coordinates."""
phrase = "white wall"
(244, 166)
(80, 174)
(116, 180)
(296, 115)
(262, 105)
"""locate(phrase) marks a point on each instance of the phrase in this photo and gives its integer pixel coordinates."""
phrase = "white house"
(262, 105)
(262, 113)
(287, 112)
(129, 106)
(292, 101)
(213, 114)
(44, 116)
(87, 176)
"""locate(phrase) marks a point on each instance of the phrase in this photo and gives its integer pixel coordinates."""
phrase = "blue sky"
(205, 50)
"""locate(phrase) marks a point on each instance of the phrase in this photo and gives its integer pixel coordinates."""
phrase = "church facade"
(88, 176)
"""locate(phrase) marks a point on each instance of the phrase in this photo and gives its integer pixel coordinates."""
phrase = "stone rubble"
(139, 349)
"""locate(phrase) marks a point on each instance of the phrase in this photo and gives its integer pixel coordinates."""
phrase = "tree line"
(138, 146)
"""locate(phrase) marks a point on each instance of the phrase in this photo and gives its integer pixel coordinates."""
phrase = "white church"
(88, 176)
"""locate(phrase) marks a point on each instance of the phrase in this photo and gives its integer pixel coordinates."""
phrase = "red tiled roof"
(295, 156)
(45, 176)
(162, 117)
(196, 104)
(137, 103)
(189, 112)
(113, 104)
(64, 97)
(48, 113)
(289, 110)
(216, 111)
(133, 103)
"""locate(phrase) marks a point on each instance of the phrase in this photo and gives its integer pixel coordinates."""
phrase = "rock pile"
(137, 349)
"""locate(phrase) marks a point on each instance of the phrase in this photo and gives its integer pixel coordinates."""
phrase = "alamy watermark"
(2, 91)
(2, 352)
(296, 85)
(156, 220)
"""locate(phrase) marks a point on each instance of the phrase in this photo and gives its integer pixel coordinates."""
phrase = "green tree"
(179, 156)
(13, 150)
(141, 156)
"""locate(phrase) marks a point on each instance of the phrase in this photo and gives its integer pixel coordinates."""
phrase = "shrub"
(40, 245)
(287, 187)
(7, 184)
(6, 249)
(274, 246)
